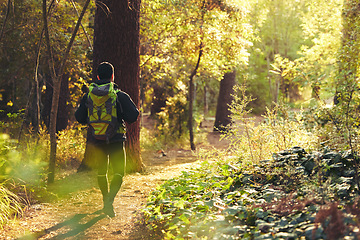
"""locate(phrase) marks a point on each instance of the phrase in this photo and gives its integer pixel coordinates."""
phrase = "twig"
(82, 26)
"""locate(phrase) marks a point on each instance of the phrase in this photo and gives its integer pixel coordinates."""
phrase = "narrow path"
(77, 215)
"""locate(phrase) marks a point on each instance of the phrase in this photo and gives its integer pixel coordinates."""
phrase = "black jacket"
(125, 108)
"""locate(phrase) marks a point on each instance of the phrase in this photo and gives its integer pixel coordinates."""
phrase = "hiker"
(104, 109)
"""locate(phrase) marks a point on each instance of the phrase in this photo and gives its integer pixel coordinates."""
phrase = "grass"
(10, 205)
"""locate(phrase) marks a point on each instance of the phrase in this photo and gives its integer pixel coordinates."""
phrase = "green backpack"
(102, 114)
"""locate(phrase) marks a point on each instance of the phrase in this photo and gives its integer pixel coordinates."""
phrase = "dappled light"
(181, 119)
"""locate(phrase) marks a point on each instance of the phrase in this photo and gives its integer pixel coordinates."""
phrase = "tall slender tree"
(57, 76)
(116, 40)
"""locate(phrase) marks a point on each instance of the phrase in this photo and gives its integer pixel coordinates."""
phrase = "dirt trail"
(77, 215)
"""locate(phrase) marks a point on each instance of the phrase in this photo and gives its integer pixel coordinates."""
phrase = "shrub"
(173, 119)
(280, 129)
(71, 145)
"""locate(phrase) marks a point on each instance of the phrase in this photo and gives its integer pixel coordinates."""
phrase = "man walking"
(104, 109)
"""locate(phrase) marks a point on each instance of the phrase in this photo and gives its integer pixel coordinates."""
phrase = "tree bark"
(206, 104)
(116, 40)
(222, 117)
(191, 98)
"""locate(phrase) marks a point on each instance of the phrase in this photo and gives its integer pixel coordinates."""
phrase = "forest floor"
(77, 215)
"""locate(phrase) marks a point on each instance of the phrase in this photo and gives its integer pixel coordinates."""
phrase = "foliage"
(11, 123)
(173, 117)
(71, 146)
(24, 162)
(23, 167)
(23, 35)
(171, 34)
(297, 194)
(305, 36)
(254, 140)
(278, 31)
(9, 205)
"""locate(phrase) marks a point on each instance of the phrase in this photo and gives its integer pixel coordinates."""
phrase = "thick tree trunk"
(116, 40)
(222, 118)
(63, 108)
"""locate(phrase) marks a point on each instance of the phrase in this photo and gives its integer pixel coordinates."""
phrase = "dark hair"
(105, 70)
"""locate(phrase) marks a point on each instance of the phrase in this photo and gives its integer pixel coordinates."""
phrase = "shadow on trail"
(73, 183)
(73, 226)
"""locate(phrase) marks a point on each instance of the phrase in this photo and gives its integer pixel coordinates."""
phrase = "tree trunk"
(222, 117)
(64, 95)
(63, 108)
(116, 40)
(191, 98)
(206, 104)
(191, 118)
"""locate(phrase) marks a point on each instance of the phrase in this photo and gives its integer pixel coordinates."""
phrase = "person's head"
(105, 71)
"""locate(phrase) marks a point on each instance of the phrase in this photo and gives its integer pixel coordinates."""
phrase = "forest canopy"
(279, 80)
(281, 50)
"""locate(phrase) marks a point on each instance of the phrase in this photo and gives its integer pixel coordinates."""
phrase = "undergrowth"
(281, 198)
(278, 180)
(279, 129)
(23, 167)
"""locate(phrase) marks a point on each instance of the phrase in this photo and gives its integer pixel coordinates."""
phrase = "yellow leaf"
(10, 103)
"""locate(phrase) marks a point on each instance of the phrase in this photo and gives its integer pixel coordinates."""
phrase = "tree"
(349, 52)
(116, 40)
(225, 98)
(24, 62)
(317, 65)
(277, 25)
(57, 77)
(193, 43)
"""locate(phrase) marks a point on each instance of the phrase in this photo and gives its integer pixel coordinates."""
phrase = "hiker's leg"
(87, 163)
(117, 160)
(98, 153)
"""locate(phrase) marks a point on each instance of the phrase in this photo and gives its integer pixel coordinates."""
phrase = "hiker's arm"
(128, 109)
(81, 112)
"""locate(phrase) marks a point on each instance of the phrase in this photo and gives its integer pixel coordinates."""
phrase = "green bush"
(71, 145)
(172, 121)
(12, 123)
(279, 129)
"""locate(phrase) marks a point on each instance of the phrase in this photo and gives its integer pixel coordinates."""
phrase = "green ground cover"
(295, 195)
